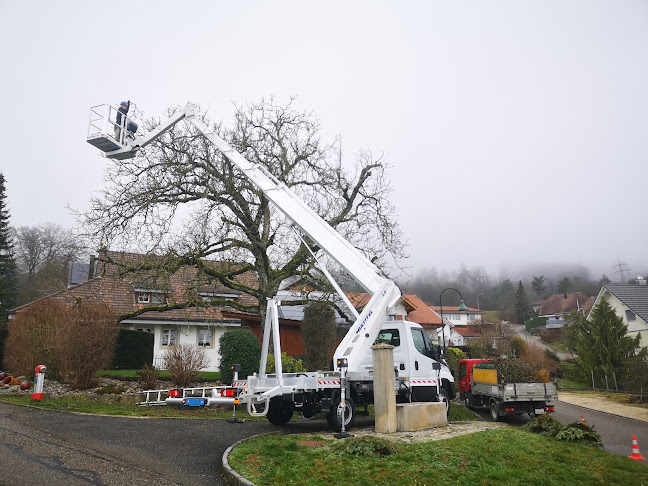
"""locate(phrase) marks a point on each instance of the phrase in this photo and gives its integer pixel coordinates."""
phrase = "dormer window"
(208, 296)
(147, 296)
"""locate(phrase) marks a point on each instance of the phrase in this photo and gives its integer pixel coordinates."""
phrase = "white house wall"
(185, 334)
(638, 326)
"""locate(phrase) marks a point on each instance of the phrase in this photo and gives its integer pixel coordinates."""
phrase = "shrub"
(133, 350)
(288, 364)
(579, 432)
(517, 346)
(537, 359)
(536, 322)
(86, 342)
(551, 336)
(363, 446)
(452, 357)
(575, 373)
(183, 362)
(148, 377)
(239, 346)
(78, 339)
(319, 334)
(31, 339)
(544, 424)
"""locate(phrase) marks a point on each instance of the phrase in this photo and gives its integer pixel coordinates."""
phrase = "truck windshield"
(388, 336)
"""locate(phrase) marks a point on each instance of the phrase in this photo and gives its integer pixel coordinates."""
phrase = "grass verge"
(504, 456)
(80, 405)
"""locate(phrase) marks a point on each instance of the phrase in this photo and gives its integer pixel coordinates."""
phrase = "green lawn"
(499, 457)
(128, 410)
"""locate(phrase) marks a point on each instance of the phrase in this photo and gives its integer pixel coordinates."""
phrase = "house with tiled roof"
(456, 316)
(555, 308)
(630, 302)
(171, 320)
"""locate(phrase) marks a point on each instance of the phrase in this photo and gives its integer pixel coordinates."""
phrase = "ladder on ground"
(158, 397)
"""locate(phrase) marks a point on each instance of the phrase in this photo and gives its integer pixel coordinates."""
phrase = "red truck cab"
(465, 373)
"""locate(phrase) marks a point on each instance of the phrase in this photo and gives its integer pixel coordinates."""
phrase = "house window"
(168, 337)
(391, 317)
(204, 338)
(150, 297)
(157, 298)
(630, 316)
(455, 317)
(207, 296)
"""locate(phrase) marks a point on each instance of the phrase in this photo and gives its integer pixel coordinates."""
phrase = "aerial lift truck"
(421, 375)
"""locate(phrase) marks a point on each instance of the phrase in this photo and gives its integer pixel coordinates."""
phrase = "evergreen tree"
(564, 285)
(538, 286)
(8, 273)
(602, 342)
(521, 303)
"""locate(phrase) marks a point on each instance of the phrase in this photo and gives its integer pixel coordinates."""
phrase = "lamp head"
(462, 306)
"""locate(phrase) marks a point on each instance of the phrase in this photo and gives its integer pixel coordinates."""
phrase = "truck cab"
(414, 359)
(465, 373)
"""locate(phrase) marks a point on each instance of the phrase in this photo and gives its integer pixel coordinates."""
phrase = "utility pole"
(621, 269)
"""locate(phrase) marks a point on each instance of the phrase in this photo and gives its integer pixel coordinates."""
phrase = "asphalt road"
(43, 447)
(616, 432)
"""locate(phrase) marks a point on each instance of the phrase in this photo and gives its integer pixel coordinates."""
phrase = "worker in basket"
(121, 121)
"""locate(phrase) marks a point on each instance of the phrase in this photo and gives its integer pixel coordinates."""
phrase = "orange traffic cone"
(636, 455)
(583, 420)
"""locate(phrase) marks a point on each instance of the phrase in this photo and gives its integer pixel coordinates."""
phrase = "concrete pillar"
(384, 388)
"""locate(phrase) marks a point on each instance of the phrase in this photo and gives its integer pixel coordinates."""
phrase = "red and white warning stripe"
(423, 382)
(239, 383)
(328, 382)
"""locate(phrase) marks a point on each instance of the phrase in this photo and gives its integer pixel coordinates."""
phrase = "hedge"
(133, 349)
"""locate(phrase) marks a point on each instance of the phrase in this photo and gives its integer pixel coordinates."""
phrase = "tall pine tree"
(521, 303)
(8, 274)
(602, 342)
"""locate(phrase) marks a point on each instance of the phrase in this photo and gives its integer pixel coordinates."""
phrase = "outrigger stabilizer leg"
(235, 368)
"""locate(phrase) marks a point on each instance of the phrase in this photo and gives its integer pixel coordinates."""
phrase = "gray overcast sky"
(516, 130)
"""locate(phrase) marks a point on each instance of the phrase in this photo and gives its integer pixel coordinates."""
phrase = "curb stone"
(229, 474)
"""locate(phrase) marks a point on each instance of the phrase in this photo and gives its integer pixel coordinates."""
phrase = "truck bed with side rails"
(483, 387)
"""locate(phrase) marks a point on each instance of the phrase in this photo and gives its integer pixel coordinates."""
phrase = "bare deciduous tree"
(183, 199)
(44, 254)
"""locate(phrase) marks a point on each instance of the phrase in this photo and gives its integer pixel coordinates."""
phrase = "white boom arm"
(385, 293)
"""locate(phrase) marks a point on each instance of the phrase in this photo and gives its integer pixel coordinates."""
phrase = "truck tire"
(333, 417)
(444, 397)
(468, 402)
(279, 412)
(494, 411)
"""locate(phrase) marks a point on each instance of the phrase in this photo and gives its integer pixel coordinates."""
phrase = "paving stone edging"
(229, 474)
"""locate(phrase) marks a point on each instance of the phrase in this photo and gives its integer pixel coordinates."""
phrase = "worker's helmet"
(123, 103)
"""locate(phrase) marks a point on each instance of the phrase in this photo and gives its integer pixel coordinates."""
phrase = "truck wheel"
(444, 397)
(334, 416)
(494, 411)
(468, 403)
(279, 412)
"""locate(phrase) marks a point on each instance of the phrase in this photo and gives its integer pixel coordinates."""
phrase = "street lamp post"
(462, 307)
(479, 308)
